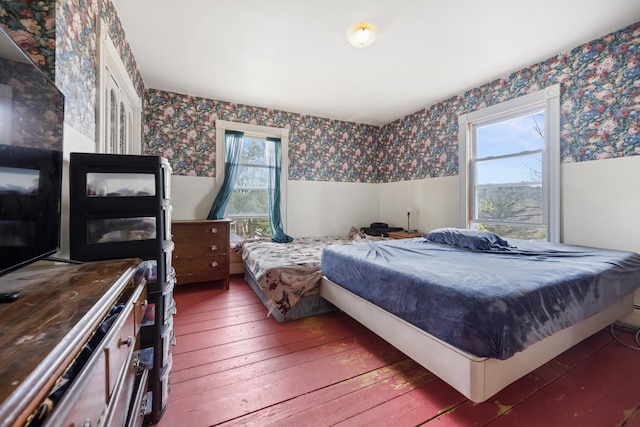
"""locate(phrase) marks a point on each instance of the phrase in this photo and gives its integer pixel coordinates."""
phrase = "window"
(509, 167)
(248, 206)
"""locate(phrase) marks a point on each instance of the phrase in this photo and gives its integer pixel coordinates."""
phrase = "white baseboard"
(633, 319)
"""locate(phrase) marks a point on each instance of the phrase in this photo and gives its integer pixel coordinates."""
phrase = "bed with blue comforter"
(488, 297)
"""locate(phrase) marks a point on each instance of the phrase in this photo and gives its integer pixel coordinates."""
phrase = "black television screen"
(31, 125)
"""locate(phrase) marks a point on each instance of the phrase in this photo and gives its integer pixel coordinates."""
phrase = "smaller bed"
(285, 276)
(480, 318)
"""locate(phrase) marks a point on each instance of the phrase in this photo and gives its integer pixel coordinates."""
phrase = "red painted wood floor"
(234, 366)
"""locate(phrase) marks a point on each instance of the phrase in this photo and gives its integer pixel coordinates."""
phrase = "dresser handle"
(214, 230)
(126, 342)
(214, 264)
(143, 406)
(214, 247)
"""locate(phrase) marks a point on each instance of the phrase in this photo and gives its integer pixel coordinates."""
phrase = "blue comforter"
(487, 303)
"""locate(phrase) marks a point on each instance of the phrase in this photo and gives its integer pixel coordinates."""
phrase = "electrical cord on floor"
(637, 347)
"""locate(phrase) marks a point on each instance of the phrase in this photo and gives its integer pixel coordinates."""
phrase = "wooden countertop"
(43, 330)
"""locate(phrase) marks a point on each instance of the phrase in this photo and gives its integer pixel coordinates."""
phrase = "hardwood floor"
(234, 366)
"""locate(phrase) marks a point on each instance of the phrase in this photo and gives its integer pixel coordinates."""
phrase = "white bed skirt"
(477, 378)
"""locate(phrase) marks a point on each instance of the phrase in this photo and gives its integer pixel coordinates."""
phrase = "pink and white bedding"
(287, 272)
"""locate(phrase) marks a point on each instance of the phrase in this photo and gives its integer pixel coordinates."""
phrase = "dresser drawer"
(102, 375)
(200, 231)
(122, 336)
(119, 409)
(86, 399)
(139, 403)
(198, 248)
(119, 349)
(201, 269)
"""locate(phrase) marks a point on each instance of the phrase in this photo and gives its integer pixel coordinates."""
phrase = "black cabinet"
(120, 207)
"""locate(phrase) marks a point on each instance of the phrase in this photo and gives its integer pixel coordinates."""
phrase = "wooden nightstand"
(404, 234)
(201, 251)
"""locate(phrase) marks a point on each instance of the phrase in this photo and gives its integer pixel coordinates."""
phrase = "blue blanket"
(487, 303)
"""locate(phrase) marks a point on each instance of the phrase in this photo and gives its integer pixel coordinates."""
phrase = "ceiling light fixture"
(362, 35)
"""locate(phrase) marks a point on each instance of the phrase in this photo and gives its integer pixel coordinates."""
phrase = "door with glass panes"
(118, 122)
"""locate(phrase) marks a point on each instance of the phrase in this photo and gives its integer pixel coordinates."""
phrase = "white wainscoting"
(317, 208)
(73, 142)
(601, 208)
(312, 208)
(434, 203)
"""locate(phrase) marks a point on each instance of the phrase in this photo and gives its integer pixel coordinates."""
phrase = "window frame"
(260, 132)
(549, 100)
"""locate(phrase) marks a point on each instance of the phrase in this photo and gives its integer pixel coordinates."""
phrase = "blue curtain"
(232, 148)
(273, 153)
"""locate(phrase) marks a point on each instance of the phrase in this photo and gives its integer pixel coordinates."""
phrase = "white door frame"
(109, 62)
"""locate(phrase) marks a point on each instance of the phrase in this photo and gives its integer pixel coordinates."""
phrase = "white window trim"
(255, 130)
(550, 99)
(109, 61)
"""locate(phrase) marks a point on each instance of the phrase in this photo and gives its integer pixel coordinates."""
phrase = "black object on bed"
(379, 229)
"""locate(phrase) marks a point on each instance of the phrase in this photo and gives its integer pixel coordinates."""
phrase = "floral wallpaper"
(117, 34)
(600, 119)
(32, 25)
(76, 58)
(600, 104)
(60, 36)
(76, 63)
(182, 129)
(600, 110)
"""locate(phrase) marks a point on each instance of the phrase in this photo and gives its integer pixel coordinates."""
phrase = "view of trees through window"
(507, 176)
(248, 206)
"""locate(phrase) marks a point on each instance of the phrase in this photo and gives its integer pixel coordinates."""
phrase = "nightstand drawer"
(201, 269)
(201, 231)
(200, 248)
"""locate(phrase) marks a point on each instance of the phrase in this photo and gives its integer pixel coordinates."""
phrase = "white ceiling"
(293, 55)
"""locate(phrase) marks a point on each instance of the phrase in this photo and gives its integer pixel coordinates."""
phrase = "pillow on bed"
(469, 239)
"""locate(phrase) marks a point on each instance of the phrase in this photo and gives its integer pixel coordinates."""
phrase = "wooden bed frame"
(478, 378)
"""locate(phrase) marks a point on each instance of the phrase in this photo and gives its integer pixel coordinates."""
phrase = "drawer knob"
(126, 342)
(214, 264)
(214, 247)
(214, 230)
(87, 423)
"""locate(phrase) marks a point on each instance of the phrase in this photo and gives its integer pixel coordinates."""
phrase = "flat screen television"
(31, 126)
